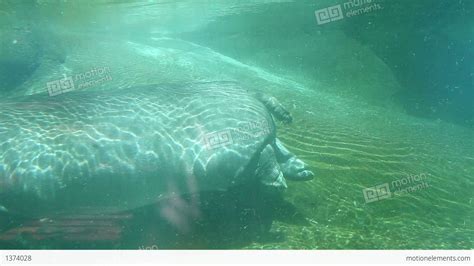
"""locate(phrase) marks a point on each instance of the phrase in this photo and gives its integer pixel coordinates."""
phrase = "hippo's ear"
(275, 108)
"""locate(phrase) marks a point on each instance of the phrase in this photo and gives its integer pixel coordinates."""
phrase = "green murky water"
(381, 93)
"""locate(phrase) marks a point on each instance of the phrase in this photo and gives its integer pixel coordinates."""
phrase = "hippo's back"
(126, 148)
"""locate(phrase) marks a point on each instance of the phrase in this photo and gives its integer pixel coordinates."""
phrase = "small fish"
(3, 209)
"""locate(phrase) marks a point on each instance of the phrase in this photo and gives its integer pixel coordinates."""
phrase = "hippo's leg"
(268, 170)
(275, 108)
(292, 167)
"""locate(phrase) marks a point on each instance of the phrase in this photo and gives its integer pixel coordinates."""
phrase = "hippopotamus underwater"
(128, 148)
